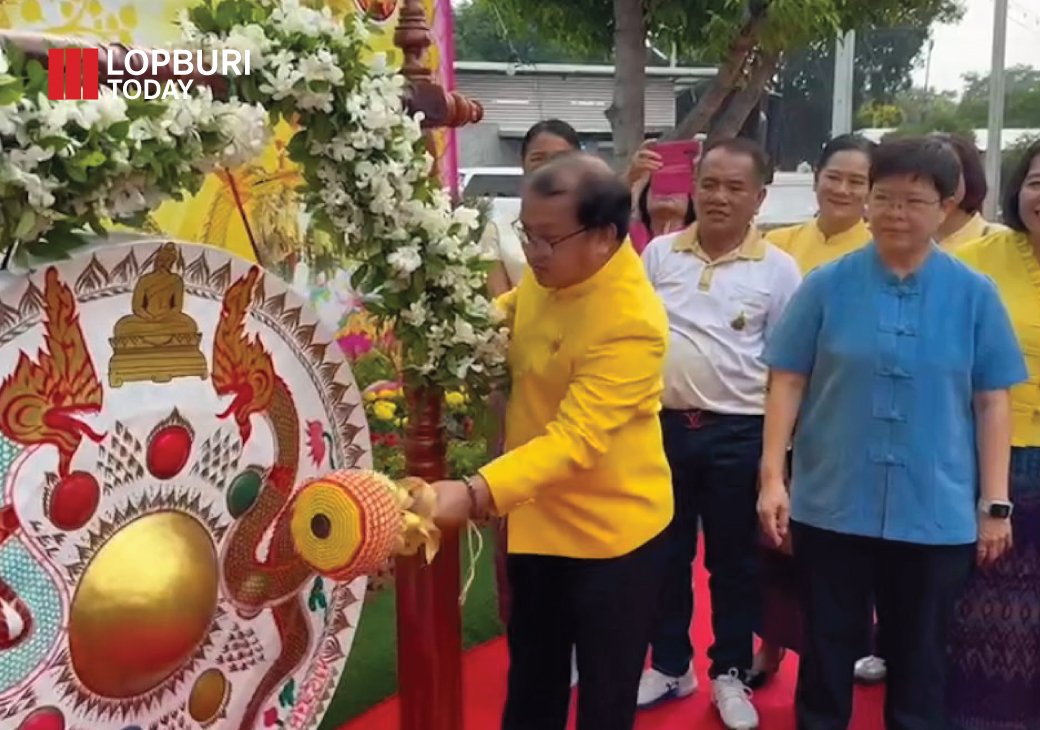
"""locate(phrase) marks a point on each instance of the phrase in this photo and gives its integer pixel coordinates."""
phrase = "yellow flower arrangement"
(384, 410)
(455, 400)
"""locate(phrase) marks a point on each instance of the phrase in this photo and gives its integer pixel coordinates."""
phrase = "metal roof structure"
(515, 96)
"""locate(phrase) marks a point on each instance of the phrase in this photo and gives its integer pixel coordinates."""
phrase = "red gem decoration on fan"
(15, 619)
(72, 500)
(8, 523)
(169, 446)
(45, 718)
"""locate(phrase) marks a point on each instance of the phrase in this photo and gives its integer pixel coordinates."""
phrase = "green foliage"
(1022, 103)
(926, 112)
(711, 26)
(883, 70)
(879, 115)
(480, 36)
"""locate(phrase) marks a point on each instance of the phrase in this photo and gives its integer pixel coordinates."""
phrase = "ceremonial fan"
(188, 511)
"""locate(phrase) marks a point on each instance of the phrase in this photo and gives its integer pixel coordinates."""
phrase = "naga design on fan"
(38, 400)
(243, 368)
(37, 404)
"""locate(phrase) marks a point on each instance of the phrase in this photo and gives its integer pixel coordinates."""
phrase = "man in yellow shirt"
(584, 479)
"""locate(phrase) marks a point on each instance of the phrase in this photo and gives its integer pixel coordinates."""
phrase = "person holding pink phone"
(662, 179)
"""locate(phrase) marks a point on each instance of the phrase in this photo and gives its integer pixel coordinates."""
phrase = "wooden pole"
(429, 623)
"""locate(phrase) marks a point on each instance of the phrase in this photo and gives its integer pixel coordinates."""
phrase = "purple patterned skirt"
(994, 651)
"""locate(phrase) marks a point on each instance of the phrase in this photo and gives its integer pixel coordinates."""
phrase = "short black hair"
(975, 186)
(601, 199)
(643, 204)
(1013, 188)
(555, 127)
(747, 148)
(844, 143)
(927, 159)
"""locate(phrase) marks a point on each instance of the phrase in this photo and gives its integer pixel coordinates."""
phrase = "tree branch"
(729, 75)
(741, 103)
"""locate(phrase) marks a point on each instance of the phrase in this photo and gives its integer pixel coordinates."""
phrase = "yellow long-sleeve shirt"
(1008, 259)
(584, 474)
(811, 249)
(977, 227)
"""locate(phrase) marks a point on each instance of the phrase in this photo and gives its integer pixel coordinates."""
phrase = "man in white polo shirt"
(724, 288)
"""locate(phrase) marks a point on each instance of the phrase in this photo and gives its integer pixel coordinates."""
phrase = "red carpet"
(485, 686)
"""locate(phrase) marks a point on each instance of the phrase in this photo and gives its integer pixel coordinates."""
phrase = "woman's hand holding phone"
(645, 163)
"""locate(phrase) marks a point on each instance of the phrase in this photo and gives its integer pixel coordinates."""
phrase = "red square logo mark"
(72, 73)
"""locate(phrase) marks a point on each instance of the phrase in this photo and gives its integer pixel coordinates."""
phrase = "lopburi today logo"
(74, 73)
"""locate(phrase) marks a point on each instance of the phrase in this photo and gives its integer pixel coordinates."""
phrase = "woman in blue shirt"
(896, 361)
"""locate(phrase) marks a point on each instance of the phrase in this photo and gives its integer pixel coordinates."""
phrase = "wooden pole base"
(429, 624)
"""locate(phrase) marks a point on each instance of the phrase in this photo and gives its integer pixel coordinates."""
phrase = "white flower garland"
(69, 165)
(370, 182)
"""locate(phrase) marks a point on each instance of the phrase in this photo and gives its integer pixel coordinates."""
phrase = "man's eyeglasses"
(529, 241)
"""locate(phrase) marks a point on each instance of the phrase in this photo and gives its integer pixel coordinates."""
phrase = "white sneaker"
(733, 700)
(574, 669)
(656, 688)
(870, 670)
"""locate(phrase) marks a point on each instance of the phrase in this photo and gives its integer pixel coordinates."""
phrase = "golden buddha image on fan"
(175, 549)
(157, 341)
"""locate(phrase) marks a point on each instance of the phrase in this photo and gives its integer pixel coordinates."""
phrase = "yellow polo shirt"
(584, 474)
(811, 249)
(1007, 258)
(976, 227)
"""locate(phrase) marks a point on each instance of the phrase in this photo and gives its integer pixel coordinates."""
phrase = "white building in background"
(516, 96)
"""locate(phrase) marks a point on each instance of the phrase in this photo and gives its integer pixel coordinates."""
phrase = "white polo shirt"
(720, 313)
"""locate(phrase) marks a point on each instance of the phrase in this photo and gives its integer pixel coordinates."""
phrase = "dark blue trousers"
(714, 460)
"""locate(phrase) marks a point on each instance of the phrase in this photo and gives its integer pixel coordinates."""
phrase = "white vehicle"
(790, 200)
(501, 185)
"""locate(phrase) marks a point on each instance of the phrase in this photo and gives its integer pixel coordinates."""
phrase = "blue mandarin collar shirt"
(885, 442)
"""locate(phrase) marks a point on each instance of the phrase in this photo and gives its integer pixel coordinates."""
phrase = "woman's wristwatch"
(997, 509)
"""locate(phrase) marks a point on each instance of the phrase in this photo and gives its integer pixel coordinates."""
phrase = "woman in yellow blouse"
(994, 673)
(842, 184)
(965, 222)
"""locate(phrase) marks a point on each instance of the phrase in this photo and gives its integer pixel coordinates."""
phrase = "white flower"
(464, 331)
(416, 314)
(249, 39)
(321, 66)
(281, 83)
(468, 218)
(405, 260)
(126, 199)
(28, 159)
(111, 108)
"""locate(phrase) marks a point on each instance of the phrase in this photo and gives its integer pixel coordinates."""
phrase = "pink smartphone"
(679, 161)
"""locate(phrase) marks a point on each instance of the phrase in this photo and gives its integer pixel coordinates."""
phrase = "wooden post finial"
(414, 38)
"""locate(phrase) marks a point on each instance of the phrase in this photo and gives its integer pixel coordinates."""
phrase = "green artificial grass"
(371, 672)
